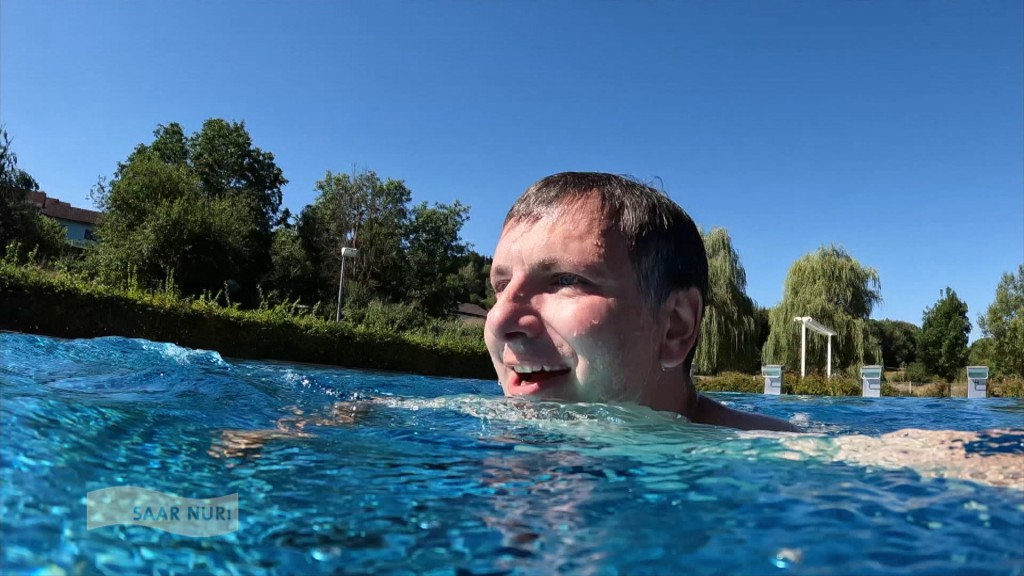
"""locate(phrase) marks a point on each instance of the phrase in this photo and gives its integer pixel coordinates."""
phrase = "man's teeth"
(523, 369)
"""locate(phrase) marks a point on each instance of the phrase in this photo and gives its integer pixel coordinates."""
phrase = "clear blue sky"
(894, 129)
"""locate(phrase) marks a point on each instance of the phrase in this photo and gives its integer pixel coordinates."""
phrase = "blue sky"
(894, 129)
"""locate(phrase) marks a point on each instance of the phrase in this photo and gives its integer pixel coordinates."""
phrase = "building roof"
(54, 208)
(466, 309)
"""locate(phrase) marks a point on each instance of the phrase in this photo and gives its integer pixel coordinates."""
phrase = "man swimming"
(601, 283)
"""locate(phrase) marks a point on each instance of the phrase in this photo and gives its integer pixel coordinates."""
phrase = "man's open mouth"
(533, 374)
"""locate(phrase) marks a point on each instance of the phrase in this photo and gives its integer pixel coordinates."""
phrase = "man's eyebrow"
(499, 270)
(548, 264)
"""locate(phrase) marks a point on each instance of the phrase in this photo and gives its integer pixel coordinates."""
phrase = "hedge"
(58, 304)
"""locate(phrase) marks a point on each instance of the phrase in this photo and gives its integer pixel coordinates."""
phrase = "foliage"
(435, 254)
(982, 353)
(729, 330)
(379, 315)
(356, 211)
(730, 382)
(934, 390)
(20, 221)
(1006, 387)
(830, 286)
(942, 346)
(474, 280)
(201, 206)
(818, 385)
(406, 253)
(38, 300)
(812, 384)
(897, 339)
(292, 272)
(1003, 322)
(917, 372)
(764, 328)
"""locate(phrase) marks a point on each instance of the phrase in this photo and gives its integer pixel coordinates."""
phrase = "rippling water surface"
(398, 474)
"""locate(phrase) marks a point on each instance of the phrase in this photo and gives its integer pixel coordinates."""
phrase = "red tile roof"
(54, 208)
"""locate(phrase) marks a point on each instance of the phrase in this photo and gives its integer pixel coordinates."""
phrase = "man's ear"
(683, 314)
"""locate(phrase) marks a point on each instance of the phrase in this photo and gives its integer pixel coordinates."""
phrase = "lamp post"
(345, 253)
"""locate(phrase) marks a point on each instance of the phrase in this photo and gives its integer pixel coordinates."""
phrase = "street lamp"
(345, 253)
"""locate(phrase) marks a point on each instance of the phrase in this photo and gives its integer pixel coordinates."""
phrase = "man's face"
(569, 322)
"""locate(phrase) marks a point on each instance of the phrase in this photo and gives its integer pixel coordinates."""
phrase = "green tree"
(201, 208)
(292, 272)
(435, 251)
(1003, 322)
(20, 221)
(942, 346)
(982, 352)
(474, 280)
(158, 223)
(229, 166)
(898, 341)
(363, 211)
(406, 254)
(830, 286)
(764, 328)
(729, 329)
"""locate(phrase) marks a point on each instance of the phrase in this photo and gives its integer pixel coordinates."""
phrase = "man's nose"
(514, 316)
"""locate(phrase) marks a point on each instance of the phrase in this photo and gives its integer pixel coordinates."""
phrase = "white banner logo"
(185, 516)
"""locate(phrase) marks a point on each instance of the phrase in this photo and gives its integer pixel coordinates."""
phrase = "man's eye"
(568, 280)
(499, 286)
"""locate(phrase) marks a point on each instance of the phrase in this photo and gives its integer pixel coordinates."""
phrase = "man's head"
(600, 285)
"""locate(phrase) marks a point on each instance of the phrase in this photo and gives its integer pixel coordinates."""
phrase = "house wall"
(76, 230)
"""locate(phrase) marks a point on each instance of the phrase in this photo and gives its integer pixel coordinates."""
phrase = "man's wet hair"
(665, 247)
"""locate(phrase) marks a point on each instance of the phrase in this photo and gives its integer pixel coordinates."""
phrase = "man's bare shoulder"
(710, 412)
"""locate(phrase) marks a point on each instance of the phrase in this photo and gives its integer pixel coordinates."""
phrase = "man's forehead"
(584, 211)
(575, 234)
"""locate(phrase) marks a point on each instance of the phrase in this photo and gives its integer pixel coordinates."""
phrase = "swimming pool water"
(418, 475)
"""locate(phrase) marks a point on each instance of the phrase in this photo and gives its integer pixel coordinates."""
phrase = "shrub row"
(816, 385)
(38, 301)
(812, 385)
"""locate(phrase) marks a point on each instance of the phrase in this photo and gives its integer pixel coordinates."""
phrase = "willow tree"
(830, 286)
(729, 330)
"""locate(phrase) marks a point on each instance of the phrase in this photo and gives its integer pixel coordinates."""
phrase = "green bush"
(916, 372)
(1006, 387)
(730, 382)
(817, 385)
(933, 389)
(39, 301)
(386, 317)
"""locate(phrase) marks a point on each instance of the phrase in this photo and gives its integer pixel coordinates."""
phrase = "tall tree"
(362, 211)
(19, 219)
(200, 207)
(474, 275)
(292, 275)
(1003, 322)
(982, 352)
(435, 253)
(406, 253)
(830, 286)
(942, 346)
(729, 329)
(898, 341)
